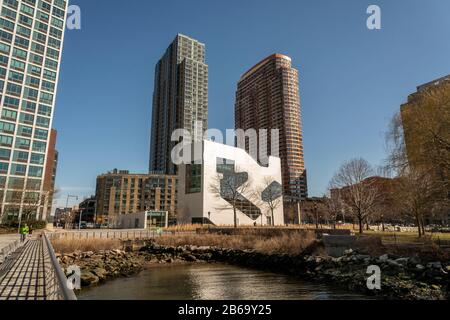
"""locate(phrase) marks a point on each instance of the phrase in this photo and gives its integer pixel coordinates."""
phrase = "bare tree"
(418, 193)
(270, 194)
(422, 182)
(31, 203)
(333, 206)
(356, 189)
(235, 188)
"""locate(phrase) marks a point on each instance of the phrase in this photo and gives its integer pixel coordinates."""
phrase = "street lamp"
(79, 222)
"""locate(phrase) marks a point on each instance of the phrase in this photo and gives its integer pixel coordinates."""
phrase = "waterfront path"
(31, 272)
(22, 275)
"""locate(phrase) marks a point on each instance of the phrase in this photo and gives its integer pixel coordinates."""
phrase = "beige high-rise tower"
(268, 98)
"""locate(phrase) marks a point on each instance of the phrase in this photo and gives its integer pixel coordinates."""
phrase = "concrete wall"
(128, 221)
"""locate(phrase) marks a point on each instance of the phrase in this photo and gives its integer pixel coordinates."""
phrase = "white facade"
(206, 203)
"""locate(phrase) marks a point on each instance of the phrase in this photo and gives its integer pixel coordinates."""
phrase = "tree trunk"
(422, 222)
(418, 225)
(235, 217)
(273, 218)
(361, 225)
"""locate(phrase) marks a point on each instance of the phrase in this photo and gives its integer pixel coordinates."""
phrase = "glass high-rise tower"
(31, 38)
(180, 99)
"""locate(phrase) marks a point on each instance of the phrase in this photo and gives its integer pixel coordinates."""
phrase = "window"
(11, 102)
(25, 20)
(33, 184)
(15, 76)
(18, 169)
(34, 70)
(25, 131)
(7, 127)
(5, 154)
(31, 94)
(32, 81)
(29, 106)
(45, 110)
(19, 53)
(6, 141)
(13, 89)
(26, 118)
(37, 158)
(49, 75)
(41, 134)
(18, 65)
(16, 183)
(43, 122)
(6, 24)
(46, 97)
(20, 156)
(9, 115)
(39, 146)
(49, 86)
(35, 171)
(4, 167)
(26, 9)
(23, 31)
(4, 48)
(22, 143)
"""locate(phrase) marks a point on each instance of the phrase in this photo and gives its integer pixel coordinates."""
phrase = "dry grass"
(65, 246)
(294, 244)
(183, 227)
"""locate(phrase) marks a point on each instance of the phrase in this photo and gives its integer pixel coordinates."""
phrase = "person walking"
(24, 232)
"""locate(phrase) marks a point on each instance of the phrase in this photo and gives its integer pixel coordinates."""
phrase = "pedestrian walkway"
(22, 275)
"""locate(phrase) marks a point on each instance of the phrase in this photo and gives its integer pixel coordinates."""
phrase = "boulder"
(435, 265)
(402, 261)
(100, 273)
(88, 278)
(190, 258)
(384, 258)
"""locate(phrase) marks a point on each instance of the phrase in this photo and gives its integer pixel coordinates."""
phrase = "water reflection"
(212, 282)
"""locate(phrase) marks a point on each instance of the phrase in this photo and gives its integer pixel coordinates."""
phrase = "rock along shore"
(401, 278)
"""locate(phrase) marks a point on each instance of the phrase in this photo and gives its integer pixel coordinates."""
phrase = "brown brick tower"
(268, 98)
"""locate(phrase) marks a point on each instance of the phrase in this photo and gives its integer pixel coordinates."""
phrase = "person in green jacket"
(24, 230)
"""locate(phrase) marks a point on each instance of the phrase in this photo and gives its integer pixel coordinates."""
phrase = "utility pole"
(79, 222)
(67, 204)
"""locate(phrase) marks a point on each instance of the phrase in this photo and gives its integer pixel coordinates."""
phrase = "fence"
(112, 234)
(55, 280)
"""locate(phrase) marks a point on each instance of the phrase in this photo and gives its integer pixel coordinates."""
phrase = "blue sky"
(352, 79)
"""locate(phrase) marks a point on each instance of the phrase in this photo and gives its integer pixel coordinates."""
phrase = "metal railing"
(111, 234)
(56, 281)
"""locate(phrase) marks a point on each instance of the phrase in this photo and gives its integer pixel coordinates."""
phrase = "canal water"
(212, 282)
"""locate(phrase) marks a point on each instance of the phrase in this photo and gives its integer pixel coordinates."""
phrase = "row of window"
(22, 143)
(21, 170)
(43, 7)
(22, 130)
(27, 106)
(22, 156)
(19, 183)
(25, 118)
